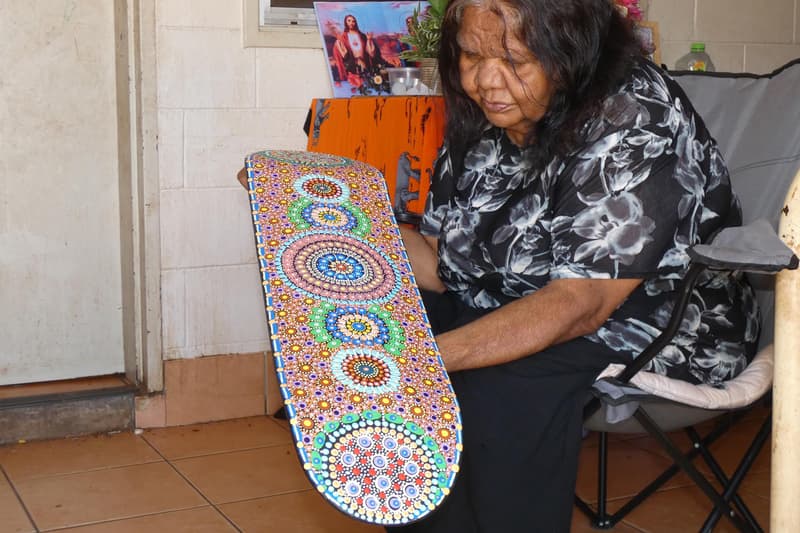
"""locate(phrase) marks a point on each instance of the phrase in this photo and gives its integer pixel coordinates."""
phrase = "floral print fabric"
(647, 183)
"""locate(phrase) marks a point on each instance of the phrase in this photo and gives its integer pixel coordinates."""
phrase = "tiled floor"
(243, 475)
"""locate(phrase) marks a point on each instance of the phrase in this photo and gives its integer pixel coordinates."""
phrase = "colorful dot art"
(371, 408)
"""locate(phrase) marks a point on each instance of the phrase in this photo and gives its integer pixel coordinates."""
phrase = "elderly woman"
(573, 177)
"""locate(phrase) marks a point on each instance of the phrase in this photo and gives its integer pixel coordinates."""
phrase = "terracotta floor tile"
(629, 470)
(216, 437)
(299, 512)
(64, 456)
(283, 423)
(757, 483)
(581, 524)
(730, 448)
(685, 509)
(202, 520)
(100, 495)
(14, 519)
(235, 476)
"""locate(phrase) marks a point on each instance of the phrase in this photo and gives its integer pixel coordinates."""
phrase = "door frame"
(140, 238)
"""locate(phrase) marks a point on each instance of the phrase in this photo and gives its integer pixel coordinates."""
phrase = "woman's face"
(506, 81)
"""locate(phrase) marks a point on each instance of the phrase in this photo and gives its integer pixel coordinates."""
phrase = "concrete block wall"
(218, 101)
(741, 35)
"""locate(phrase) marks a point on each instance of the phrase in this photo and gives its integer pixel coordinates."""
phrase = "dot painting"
(337, 268)
(371, 408)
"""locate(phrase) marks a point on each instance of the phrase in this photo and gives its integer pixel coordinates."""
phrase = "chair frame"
(726, 501)
(738, 512)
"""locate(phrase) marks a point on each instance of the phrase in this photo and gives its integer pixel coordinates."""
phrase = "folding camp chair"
(754, 118)
(629, 400)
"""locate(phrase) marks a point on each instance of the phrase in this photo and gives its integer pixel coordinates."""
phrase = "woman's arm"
(562, 310)
(422, 254)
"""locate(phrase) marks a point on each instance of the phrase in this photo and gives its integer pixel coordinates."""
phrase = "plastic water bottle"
(697, 60)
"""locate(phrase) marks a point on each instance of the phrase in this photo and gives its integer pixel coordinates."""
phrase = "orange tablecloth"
(399, 135)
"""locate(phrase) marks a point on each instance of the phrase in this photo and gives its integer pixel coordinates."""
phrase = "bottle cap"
(698, 47)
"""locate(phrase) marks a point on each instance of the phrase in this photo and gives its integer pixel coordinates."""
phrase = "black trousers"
(522, 433)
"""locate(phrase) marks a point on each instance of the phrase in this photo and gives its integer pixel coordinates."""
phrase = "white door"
(60, 268)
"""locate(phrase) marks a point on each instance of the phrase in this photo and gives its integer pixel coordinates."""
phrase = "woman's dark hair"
(586, 48)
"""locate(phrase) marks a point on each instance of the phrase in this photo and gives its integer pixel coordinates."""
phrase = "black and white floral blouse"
(648, 182)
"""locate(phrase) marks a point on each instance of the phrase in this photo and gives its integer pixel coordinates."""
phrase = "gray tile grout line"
(116, 520)
(91, 470)
(282, 493)
(19, 498)
(290, 442)
(223, 452)
(213, 505)
(109, 468)
(187, 480)
(633, 526)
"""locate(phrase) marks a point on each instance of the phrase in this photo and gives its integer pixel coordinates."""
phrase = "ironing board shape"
(372, 412)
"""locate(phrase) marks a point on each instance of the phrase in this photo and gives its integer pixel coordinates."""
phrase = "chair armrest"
(752, 248)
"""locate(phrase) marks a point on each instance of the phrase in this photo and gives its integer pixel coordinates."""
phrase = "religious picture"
(361, 40)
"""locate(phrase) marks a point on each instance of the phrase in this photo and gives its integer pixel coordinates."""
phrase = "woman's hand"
(562, 310)
(242, 177)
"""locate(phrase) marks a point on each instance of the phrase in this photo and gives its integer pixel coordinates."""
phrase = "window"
(286, 12)
(280, 23)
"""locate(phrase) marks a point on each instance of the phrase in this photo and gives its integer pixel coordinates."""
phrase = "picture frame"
(647, 32)
(361, 40)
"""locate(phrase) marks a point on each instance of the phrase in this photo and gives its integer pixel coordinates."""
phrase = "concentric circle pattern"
(307, 214)
(365, 370)
(322, 188)
(379, 468)
(329, 216)
(358, 326)
(338, 269)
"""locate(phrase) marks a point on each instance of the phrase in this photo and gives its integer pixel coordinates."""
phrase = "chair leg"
(600, 518)
(602, 480)
(732, 486)
(701, 446)
(719, 503)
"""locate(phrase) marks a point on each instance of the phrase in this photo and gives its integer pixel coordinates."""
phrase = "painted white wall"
(218, 102)
(60, 266)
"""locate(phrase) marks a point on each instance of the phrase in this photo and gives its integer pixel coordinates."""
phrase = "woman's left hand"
(242, 177)
(562, 310)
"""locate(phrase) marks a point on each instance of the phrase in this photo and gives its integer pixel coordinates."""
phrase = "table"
(399, 135)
